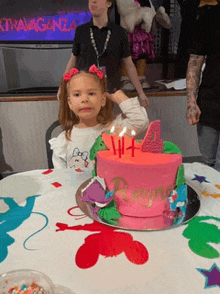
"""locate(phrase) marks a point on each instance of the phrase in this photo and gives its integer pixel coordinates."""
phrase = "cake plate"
(165, 221)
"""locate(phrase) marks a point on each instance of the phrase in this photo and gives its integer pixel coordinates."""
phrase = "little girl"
(85, 112)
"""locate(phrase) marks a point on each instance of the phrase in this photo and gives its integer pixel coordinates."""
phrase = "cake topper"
(152, 141)
(101, 201)
(95, 192)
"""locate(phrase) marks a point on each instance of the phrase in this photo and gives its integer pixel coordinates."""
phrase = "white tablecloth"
(42, 229)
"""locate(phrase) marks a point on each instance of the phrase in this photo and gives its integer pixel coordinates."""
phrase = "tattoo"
(193, 77)
(193, 113)
(194, 63)
(191, 108)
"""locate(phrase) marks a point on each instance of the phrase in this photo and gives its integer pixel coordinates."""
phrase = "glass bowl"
(25, 277)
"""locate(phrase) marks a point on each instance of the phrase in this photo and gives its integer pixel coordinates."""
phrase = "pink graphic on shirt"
(79, 160)
(106, 242)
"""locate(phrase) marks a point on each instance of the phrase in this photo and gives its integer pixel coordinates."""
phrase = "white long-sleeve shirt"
(75, 153)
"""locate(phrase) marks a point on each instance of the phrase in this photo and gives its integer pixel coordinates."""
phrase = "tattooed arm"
(192, 86)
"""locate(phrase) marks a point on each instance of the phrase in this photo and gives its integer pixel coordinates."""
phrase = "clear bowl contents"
(26, 281)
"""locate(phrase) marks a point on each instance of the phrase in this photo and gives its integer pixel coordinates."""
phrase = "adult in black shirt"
(117, 48)
(188, 10)
(204, 100)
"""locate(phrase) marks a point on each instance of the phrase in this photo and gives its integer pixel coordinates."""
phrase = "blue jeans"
(209, 145)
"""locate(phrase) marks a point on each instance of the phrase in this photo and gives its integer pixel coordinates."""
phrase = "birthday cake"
(136, 179)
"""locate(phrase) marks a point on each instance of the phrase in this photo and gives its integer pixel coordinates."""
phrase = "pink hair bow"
(68, 76)
(94, 69)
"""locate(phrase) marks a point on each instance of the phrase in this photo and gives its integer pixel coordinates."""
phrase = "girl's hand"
(117, 97)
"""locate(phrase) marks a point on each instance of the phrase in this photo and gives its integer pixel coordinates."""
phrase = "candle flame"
(112, 129)
(133, 133)
(123, 132)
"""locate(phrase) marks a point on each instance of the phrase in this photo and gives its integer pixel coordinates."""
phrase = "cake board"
(166, 221)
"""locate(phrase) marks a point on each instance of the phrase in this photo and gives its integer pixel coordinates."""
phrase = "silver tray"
(165, 221)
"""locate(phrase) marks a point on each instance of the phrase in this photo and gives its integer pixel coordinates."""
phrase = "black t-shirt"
(117, 48)
(206, 41)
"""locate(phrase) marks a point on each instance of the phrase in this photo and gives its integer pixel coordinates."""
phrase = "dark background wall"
(40, 66)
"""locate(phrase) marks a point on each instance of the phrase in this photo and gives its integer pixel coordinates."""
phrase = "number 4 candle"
(152, 141)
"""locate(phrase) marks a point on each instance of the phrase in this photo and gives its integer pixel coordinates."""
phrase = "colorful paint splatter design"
(106, 242)
(201, 234)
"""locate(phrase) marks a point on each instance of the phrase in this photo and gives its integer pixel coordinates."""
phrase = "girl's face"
(85, 99)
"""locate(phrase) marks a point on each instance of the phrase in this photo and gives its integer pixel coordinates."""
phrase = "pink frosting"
(141, 184)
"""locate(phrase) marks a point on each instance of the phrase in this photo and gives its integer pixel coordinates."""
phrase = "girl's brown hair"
(67, 117)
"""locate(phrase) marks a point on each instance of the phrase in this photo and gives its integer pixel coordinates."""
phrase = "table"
(42, 228)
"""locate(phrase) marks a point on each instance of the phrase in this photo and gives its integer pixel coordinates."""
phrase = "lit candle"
(123, 139)
(132, 143)
(112, 129)
(113, 143)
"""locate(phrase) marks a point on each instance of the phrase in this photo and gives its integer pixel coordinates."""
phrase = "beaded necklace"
(94, 44)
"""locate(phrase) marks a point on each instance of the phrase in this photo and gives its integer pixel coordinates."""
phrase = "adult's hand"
(193, 114)
(144, 100)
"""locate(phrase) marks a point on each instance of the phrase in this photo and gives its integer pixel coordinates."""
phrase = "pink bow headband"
(73, 71)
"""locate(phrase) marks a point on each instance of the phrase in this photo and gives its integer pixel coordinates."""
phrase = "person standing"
(203, 107)
(188, 10)
(105, 44)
